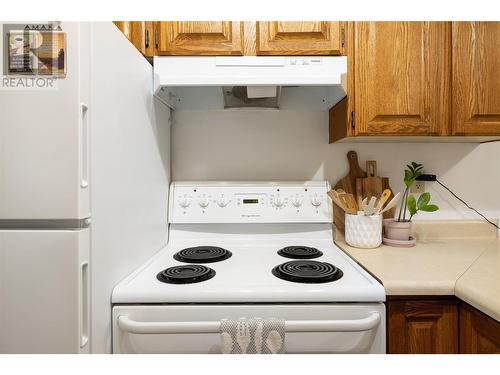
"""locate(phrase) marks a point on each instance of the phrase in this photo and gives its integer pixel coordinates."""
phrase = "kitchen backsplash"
(293, 145)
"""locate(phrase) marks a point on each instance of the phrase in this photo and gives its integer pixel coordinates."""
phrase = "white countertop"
(479, 286)
(459, 258)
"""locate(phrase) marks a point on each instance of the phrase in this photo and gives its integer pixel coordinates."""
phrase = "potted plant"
(400, 228)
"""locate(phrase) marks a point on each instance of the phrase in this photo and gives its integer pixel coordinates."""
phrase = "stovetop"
(247, 277)
(247, 226)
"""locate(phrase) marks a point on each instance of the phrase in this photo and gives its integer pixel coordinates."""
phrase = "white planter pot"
(363, 231)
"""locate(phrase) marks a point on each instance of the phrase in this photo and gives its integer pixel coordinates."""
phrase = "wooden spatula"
(334, 195)
(349, 203)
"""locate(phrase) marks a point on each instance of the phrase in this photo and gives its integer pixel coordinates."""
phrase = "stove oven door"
(311, 328)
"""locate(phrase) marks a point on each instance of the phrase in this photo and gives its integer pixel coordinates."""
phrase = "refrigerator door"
(130, 161)
(44, 291)
(44, 140)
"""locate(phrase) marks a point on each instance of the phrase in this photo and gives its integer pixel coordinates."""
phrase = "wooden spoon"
(383, 198)
(394, 201)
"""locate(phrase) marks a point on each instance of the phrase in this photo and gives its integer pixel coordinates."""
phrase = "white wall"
(280, 145)
(130, 170)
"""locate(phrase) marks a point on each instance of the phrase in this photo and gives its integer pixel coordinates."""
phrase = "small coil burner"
(202, 254)
(307, 271)
(188, 274)
(300, 252)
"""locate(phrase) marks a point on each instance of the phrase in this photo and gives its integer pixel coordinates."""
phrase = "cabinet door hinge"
(353, 119)
(146, 41)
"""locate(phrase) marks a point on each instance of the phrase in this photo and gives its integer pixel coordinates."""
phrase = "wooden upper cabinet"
(299, 38)
(141, 34)
(402, 78)
(422, 327)
(200, 38)
(476, 78)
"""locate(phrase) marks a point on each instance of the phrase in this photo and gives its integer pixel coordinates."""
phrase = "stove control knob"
(297, 202)
(222, 202)
(278, 202)
(203, 202)
(315, 201)
(184, 202)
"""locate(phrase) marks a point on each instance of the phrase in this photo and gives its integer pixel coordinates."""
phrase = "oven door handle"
(291, 326)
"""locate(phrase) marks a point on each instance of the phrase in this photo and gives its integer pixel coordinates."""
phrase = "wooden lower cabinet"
(422, 326)
(439, 325)
(479, 334)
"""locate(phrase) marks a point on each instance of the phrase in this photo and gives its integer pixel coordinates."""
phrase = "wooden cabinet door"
(402, 78)
(476, 78)
(141, 35)
(422, 326)
(200, 38)
(299, 38)
(479, 334)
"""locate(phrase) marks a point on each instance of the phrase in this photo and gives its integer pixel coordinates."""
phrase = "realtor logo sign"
(34, 56)
(27, 83)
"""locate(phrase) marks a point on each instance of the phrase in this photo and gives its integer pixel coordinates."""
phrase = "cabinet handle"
(147, 39)
(84, 146)
(84, 304)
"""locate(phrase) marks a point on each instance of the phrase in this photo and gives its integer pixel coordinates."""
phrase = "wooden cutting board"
(348, 183)
(373, 185)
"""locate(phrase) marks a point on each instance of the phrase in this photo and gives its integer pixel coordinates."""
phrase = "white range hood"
(250, 82)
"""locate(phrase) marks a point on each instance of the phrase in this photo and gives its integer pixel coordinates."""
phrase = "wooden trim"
(338, 121)
(431, 297)
(249, 38)
(351, 75)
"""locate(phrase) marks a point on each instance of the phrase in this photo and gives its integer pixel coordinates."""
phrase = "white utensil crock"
(363, 231)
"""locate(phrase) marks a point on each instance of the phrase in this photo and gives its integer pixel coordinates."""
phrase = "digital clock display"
(250, 201)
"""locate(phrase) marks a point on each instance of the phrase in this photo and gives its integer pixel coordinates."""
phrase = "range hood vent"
(241, 97)
(250, 82)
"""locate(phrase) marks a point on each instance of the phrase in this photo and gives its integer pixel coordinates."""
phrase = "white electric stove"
(249, 250)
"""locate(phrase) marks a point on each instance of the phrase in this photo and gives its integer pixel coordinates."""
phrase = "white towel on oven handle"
(252, 336)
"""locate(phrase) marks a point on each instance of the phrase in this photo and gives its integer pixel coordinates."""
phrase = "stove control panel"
(250, 202)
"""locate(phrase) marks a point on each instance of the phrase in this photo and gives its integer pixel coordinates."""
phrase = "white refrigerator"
(84, 174)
